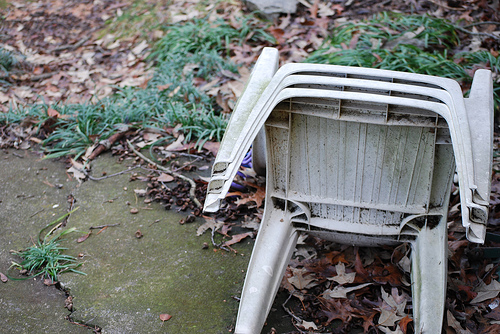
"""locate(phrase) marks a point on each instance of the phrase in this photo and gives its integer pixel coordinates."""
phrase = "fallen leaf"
(210, 223)
(403, 323)
(237, 238)
(486, 291)
(341, 292)
(453, 323)
(140, 192)
(177, 145)
(165, 317)
(164, 177)
(302, 279)
(3, 278)
(342, 277)
(308, 325)
(134, 211)
(387, 330)
(392, 308)
(212, 147)
(76, 173)
(48, 282)
(52, 113)
(84, 237)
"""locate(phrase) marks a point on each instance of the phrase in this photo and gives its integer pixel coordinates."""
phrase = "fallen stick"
(168, 171)
(102, 226)
(106, 144)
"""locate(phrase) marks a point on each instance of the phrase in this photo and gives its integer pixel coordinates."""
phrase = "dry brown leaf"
(3, 278)
(341, 292)
(84, 237)
(210, 223)
(342, 277)
(164, 177)
(302, 279)
(165, 317)
(392, 308)
(237, 238)
(486, 291)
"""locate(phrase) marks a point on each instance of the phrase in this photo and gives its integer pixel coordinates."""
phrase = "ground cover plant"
(45, 257)
(153, 71)
(407, 43)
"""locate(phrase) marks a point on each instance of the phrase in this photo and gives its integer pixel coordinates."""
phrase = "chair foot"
(429, 270)
(272, 251)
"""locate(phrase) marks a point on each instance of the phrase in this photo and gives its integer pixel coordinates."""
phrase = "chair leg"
(429, 270)
(272, 251)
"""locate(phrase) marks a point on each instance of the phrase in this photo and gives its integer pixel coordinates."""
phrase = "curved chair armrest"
(241, 119)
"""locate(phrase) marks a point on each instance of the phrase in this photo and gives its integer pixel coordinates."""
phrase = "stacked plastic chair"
(359, 156)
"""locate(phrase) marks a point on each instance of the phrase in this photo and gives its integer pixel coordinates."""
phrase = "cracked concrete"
(129, 281)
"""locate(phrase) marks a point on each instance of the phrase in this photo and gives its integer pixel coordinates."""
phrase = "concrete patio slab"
(130, 281)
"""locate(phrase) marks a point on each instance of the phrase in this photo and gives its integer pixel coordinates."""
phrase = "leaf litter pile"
(69, 56)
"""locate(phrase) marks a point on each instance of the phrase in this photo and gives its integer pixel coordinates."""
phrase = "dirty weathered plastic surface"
(359, 156)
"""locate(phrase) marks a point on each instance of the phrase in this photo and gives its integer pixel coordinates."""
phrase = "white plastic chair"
(359, 156)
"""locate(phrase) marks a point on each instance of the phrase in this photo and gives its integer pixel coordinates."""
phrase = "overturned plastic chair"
(359, 156)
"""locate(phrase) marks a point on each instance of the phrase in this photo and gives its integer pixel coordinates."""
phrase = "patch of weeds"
(205, 44)
(45, 257)
(7, 61)
(197, 50)
(416, 44)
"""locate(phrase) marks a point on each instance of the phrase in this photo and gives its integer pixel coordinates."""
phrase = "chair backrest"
(354, 166)
(363, 145)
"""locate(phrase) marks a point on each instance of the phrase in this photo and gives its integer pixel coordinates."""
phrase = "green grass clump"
(198, 49)
(7, 61)
(415, 44)
(45, 258)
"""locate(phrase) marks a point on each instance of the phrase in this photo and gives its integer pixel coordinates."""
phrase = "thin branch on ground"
(168, 171)
(478, 33)
(102, 226)
(106, 176)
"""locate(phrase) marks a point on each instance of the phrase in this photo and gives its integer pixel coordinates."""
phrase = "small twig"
(291, 314)
(102, 226)
(166, 170)
(72, 46)
(36, 213)
(156, 221)
(480, 23)
(106, 144)
(106, 176)
(445, 6)
(187, 164)
(217, 245)
(478, 33)
(42, 76)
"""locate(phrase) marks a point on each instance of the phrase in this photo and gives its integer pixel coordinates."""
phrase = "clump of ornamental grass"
(45, 257)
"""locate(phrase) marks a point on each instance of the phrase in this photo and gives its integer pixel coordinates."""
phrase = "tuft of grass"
(7, 61)
(45, 257)
(195, 49)
(415, 44)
